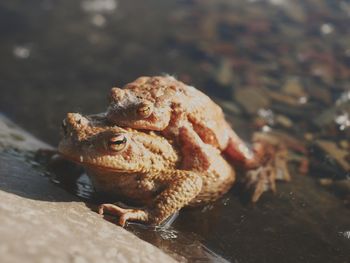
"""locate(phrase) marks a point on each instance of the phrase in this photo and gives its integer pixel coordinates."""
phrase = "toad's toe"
(124, 214)
(259, 181)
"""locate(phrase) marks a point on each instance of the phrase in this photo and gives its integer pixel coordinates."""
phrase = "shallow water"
(272, 64)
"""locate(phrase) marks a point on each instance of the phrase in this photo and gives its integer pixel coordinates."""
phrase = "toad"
(145, 168)
(164, 104)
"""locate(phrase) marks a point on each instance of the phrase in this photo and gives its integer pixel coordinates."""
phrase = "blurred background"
(269, 58)
(273, 65)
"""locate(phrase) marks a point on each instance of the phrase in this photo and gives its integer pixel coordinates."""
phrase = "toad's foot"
(264, 178)
(124, 214)
(259, 181)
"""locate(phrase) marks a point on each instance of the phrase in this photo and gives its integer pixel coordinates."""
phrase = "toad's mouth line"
(91, 165)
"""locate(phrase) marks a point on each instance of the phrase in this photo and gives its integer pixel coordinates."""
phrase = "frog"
(145, 168)
(165, 104)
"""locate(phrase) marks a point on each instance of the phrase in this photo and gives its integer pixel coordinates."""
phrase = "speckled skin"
(170, 104)
(145, 167)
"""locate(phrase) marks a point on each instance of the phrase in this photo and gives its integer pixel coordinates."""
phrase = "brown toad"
(145, 168)
(166, 104)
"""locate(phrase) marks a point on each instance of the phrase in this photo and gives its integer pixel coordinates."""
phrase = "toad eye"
(117, 142)
(145, 109)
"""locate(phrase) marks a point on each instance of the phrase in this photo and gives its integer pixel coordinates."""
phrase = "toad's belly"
(215, 183)
(129, 187)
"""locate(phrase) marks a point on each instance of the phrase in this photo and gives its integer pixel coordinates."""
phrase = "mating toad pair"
(164, 145)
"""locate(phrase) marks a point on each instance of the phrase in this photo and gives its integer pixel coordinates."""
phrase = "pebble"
(334, 152)
(251, 99)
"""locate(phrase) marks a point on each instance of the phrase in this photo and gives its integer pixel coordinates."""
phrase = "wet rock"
(224, 74)
(251, 99)
(283, 98)
(343, 120)
(328, 116)
(294, 10)
(294, 88)
(229, 107)
(344, 145)
(340, 187)
(326, 181)
(11, 136)
(283, 121)
(308, 136)
(324, 72)
(334, 152)
(320, 93)
(290, 111)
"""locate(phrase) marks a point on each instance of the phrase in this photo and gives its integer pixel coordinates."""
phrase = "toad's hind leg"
(217, 174)
(180, 187)
(198, 155)
(239, 152)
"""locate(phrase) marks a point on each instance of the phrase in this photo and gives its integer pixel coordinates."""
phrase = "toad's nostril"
(116, 94)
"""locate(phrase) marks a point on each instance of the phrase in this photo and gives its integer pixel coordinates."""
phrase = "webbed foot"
(125, 214)
(263, 178)
(260, 180)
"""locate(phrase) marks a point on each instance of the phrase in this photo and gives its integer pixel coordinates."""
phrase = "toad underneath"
(145, 168)
(165, 104)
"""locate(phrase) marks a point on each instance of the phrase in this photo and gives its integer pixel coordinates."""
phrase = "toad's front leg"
(180, 188)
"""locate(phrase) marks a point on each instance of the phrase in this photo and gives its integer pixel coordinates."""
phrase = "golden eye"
(117, 142)
(145, 110)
